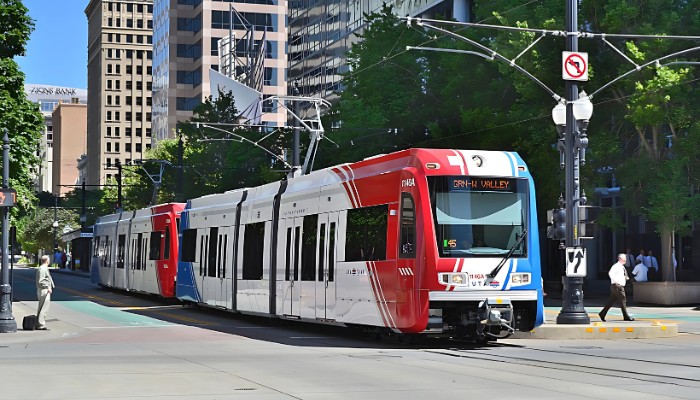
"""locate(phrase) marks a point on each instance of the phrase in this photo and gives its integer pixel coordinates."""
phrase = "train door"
(290, 245)
(325, 280)
(121, 279)
(223, 271)
(207, 265)
(307, 284)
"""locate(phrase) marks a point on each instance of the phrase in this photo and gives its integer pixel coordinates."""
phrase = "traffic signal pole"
(572, 311)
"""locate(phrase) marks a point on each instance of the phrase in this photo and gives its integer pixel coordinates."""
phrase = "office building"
(119, 85)
(185, 47)
(48, 97)
(69, 144)
(321, 32)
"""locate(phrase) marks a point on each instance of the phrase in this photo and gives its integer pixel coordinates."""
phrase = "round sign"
(575, 66)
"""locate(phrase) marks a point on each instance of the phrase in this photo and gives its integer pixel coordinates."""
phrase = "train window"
(479, 216)
(321, 248)
(222, 262)
(407, 246)
(253, 240)
(331, 252)
(96, 247)
(108, 254)
(154, 251)
(132, 258)
(203, 246)
(288, 255)
(166, 244)
(120, 251)
(297, 253)
(308, 247)
(366, 233)
(144, 254)
(139, 251)
(189, 245)
(211, 265)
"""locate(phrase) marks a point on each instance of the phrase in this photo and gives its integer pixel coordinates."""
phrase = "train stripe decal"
(457, 161)
(513, 165)
(371, 271)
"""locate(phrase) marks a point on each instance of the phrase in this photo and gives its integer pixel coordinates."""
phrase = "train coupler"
(495, 317)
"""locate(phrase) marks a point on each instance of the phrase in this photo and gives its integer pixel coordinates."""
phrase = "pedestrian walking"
(44, 287)
(618, 279)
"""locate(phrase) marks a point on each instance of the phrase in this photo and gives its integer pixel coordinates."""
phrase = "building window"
(139, 70)
(138, 132)
(109, 131)
(138, 147)
(127, 147)
(128, 69)
(127, 131)
(116, 131)
(128, 100)
(128, 115)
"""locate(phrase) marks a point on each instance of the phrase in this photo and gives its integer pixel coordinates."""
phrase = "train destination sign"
(479, 183)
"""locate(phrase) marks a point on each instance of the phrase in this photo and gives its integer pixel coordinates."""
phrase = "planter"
(667, 293)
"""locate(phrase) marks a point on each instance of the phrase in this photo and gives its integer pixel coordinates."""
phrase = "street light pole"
(7, 321)
(572, 311)
(55, 222)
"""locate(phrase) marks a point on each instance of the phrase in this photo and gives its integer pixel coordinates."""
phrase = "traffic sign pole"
(572, 311)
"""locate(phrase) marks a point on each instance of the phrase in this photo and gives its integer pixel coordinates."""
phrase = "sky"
(57, 50)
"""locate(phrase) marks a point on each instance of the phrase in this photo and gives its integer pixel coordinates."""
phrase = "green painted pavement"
(113, 315)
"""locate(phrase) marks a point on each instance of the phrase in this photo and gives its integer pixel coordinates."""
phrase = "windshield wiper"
(507, 256)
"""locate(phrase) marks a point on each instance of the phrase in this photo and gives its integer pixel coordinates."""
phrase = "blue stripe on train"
(186, 288)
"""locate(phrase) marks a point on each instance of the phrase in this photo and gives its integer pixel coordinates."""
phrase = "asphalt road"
(108, 345)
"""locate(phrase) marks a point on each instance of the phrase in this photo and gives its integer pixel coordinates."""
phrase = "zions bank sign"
(57, 91)
(54, 93)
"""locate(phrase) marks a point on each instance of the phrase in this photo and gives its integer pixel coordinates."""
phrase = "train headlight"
(520, 279)
(453, 279)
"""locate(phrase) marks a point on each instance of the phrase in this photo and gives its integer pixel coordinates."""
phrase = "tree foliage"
(39, 233)
(213, 159)
(19, 117)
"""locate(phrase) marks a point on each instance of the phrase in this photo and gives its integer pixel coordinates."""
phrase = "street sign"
(8, 197)
(574, 66)
(575, 262)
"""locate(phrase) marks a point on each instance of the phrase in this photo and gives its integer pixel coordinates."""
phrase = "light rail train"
(421, 241)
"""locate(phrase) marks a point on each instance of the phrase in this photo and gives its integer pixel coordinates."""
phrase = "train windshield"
(479, 216)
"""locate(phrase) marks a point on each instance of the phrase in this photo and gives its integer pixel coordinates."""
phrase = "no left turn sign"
(574, 66)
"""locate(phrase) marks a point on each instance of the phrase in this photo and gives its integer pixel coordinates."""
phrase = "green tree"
(18, 116)
(38, 233)
(214, 160)
(381, 104)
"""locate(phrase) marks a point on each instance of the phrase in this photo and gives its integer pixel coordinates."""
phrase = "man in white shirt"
(640, 272)
(618, 279)
(44, 287)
